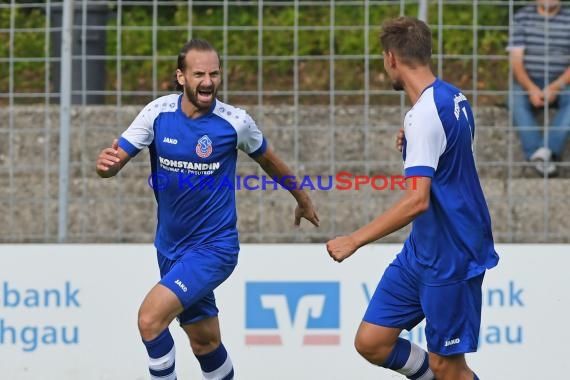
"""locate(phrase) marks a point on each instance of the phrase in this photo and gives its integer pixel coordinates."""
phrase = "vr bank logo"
(306, 313)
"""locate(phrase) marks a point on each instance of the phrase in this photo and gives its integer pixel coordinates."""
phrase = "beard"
(192, 96)
(397, 85)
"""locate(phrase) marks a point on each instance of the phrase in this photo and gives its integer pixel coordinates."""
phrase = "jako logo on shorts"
(298, 313)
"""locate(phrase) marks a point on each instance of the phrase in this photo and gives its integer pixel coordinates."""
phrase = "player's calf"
(409, 360)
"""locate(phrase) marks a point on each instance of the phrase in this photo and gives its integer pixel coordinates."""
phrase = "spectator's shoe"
(542, 159)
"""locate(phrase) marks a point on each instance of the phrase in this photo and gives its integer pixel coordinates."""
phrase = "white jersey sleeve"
(425, 138)
(250, 138)
(140, 133)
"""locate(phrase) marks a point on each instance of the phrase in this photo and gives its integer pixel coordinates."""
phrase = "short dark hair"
(193, 44)
(409, 38)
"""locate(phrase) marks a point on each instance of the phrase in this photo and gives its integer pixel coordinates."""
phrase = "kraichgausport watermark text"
(341, 181)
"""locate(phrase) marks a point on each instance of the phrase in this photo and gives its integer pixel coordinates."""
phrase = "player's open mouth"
(205, 94)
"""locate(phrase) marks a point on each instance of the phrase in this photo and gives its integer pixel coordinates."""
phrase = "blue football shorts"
(452, 312)
(193, 278)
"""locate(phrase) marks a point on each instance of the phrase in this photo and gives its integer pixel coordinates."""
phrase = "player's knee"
(204, 346)
(438, 365)
(373, 351)
(363, 348)
(149, 326)
(204, 336)
(203, 340)
(448, 367)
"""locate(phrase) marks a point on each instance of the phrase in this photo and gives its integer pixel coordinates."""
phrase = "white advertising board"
(287, 312)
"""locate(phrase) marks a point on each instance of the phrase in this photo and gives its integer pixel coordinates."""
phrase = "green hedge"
(136, 42)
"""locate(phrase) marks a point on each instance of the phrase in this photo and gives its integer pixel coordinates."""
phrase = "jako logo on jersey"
(170, 140)
(181, 285)
(298, 313)
(452, 342)
(204, 147)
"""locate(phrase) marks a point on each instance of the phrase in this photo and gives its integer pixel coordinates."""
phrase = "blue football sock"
(161, 353)
(216, 365)
(409, 360)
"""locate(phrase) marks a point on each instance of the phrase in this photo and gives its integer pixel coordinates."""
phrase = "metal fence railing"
(73, 74)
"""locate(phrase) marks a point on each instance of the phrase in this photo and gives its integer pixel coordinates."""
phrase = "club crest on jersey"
(204, 147)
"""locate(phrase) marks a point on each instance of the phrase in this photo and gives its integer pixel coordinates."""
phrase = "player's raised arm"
(111, 160)
(414, 202)
(277, 168)
(138, 135)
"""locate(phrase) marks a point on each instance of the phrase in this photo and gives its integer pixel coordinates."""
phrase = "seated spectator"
(539, 49)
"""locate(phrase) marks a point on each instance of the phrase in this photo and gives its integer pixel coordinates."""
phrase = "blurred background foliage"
(468, 32)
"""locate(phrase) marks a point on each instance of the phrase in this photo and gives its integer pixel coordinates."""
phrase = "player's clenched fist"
(341, 247)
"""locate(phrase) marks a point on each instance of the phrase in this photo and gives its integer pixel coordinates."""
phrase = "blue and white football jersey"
(452, 240)
(193, 164)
